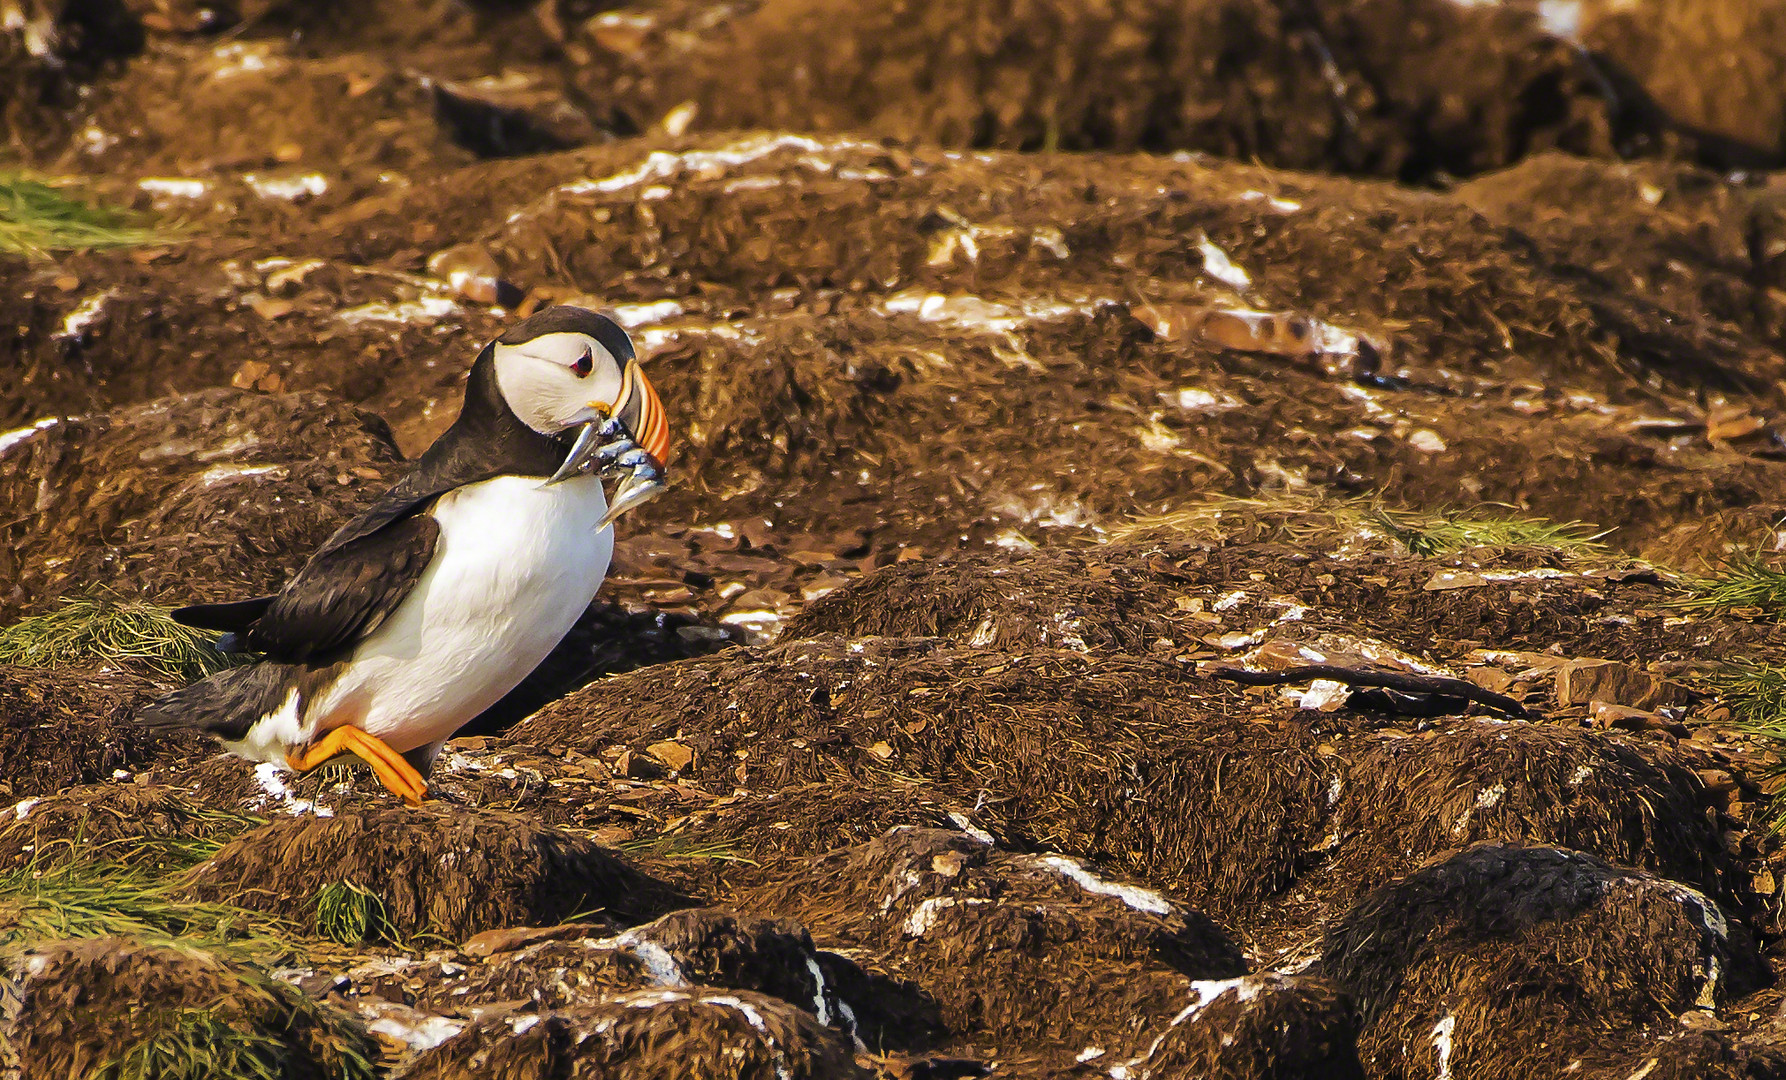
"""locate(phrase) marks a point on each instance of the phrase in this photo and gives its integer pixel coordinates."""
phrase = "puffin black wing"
(345, 593)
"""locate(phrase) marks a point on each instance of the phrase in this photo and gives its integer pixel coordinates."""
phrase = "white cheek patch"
(537, 380)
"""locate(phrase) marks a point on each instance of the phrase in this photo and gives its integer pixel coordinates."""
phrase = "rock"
(674, 755)
(1624, 717)
(491, 942)
(1454, 579)
(1582, 681)
(509, 115)
(471, 271)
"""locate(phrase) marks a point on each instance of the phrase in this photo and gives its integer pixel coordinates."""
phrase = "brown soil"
(62, 729)
(214, 496)
(112, 1002)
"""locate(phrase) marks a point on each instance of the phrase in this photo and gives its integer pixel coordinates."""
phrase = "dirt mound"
(126, 823)
(109, 329)
(1394, 87)
(1043, 732)
(437, 871)
(116, 1007)
(1431, 960)
(261, 106)
(1660, 59)
(1685, 237)
(1029, 947)
(1257, 1026)
(698, 1033)
(1227, 799)
(715, 947)
(989, 394)
(210, 496)
(1171, 596)
(569, 967)
(1641, 806)
(996, 355)
(61, 728)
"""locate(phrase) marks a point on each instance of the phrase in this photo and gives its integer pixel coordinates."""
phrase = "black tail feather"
(225, 705)
(233, 617)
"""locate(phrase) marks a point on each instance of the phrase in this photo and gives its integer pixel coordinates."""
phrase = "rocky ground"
(1104, 622)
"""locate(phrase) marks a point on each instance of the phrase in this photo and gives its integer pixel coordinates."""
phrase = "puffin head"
(568, 366)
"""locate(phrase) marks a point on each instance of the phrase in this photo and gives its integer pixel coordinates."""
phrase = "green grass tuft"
(118, 632)
(37, 219)
(1430, 535)
(1755, 693)
(1321, 521)
(673, 846)
(170, 854)
(1742, 582)
(263, 1030)
(193, 1044)
(350, 914)
(104, 899)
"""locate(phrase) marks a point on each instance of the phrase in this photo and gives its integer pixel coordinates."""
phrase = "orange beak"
(643, 414)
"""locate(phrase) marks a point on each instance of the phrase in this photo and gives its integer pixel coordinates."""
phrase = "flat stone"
(514, 938)
(1582, 681)
(1454, 579)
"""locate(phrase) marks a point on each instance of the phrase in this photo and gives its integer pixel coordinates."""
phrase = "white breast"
(516, 564)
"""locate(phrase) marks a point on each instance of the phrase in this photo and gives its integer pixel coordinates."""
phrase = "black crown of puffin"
(619, 419)
(456, 582)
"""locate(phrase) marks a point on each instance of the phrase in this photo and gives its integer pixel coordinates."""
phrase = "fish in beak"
(633, 440)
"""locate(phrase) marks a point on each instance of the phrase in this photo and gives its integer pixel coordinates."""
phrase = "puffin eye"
(585, 363)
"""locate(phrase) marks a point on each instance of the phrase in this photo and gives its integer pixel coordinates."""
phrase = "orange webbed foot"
(397, 775)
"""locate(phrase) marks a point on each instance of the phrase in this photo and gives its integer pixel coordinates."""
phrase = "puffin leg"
(397, 775)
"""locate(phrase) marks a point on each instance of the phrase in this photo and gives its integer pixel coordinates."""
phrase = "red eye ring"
(585, 363)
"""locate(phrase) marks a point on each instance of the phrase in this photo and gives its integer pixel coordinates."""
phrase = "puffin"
(428, 607)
